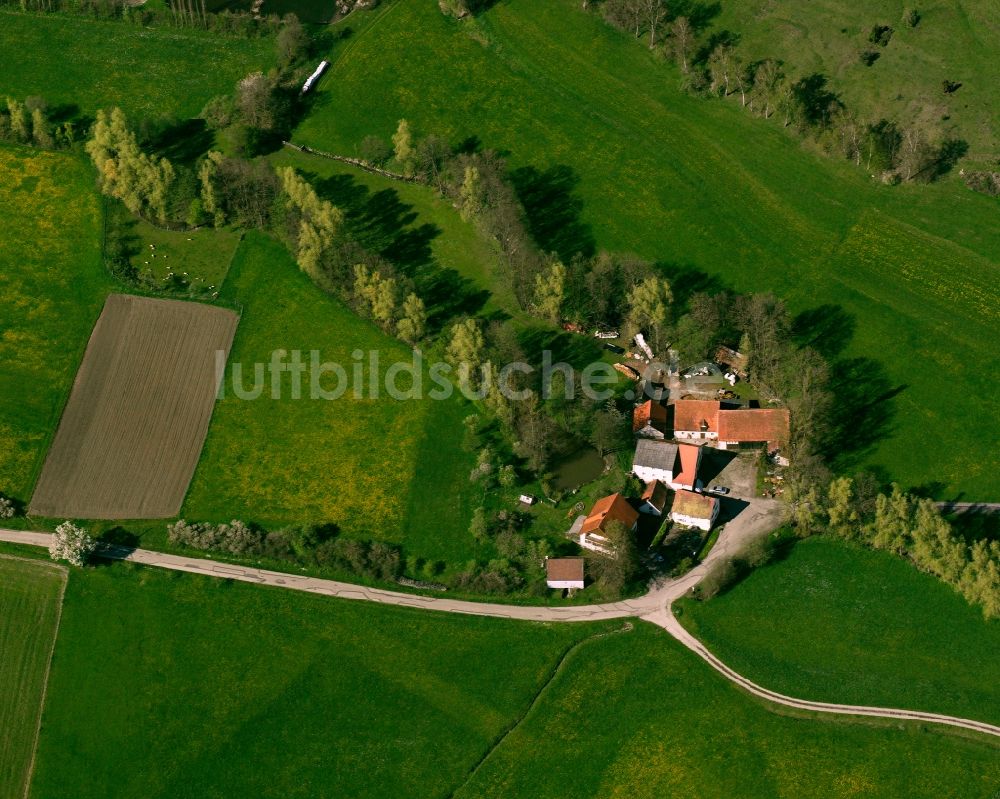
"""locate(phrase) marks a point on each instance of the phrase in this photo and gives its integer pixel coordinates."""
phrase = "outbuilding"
(564, 573)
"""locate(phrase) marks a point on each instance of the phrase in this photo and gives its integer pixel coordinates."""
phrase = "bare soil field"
(132, 431)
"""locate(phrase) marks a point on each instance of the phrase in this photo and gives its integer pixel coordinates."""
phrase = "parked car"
(615, 349)
(720, 490)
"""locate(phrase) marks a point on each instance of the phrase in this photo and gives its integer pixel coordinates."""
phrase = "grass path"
(31, 596)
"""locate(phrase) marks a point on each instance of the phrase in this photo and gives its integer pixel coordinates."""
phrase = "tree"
(71, 544)
(319, 221)
(40, 130)
(893, 520)
(20, 120)
(465, 350)
(254, 100)
(479, 527)
(916, 154)
(649, 307)
(720, 68)
(682, 42)
(374, 150)
(617, 570)
(7, 509)
(611, 429)
(840, 508)
(413, 320)
(402, 144)
(767, 78)
(470, 199)
(430, 157)
(765, 323)
(140, 181)
(292, 41)
(535, 434)
(550, 290)
(655, 11)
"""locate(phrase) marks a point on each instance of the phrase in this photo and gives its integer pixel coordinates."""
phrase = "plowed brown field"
(132, 431)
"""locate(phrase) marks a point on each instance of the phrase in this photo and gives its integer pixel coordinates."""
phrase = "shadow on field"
(182, 142)
(578, 351)
(828, 329)
(863, 411)
(382, 223)
(553, 211)
(114, 544)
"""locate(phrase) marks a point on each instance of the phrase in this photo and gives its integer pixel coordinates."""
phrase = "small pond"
(578, 467)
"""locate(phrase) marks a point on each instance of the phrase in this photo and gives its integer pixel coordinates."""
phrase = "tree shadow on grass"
(383, 224)
(578, 351)
(553, 211)
(184, 142)
(828, 329)
(863, 412)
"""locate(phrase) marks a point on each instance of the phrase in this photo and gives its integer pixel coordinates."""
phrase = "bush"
(71, 544)
(911, 17)
(722, 576)
(7, 510)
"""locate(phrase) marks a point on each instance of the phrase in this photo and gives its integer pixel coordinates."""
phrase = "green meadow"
(833, 622)
(52, 289)
(170, 685)
(30, 599)
(898, 282)
(636, 716)
(148, 72)
(376, 467)
(954, 41)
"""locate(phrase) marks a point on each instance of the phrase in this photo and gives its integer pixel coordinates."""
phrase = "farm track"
(133, 428)
(654, 607)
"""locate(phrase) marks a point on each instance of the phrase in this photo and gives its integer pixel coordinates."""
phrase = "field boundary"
(360, 164)
(557, 669)
(64, 572)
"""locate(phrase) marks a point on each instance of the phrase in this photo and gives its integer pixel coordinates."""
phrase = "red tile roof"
(655, 494)
(688, 455)
(691, 415)
(697, 506)
(754, 424)
(611, 508)
(649, 413)
(564, 569)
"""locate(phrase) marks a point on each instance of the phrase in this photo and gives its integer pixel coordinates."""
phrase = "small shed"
(528, 499)
(564, 572)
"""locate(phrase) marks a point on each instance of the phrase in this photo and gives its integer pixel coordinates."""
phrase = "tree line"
(716, 66)
(30, 122)
(176, 13)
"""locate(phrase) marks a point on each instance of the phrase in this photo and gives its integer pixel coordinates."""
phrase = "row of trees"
(717, 67)
(907, 526)
(28, 123)
(178, 13)
(309, 545)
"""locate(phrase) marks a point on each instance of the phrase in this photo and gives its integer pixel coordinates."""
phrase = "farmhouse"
(654, 499)
(606, 510)
(753, 427)
(733, 428)
(694, 510)
(649, 420)
(673, 464)
(696, 419)
(564, 572)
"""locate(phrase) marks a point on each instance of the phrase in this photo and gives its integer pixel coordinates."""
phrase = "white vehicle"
(311, 80)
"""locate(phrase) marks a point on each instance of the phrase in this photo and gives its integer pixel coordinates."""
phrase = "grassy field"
(169, 685)
(199, 258)
(412, 226)
(376, 467)
(837, 623)
(592, 121)
(148, 72)
(30, 598)
(637, 716)
(953, 41)
(52, 288)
